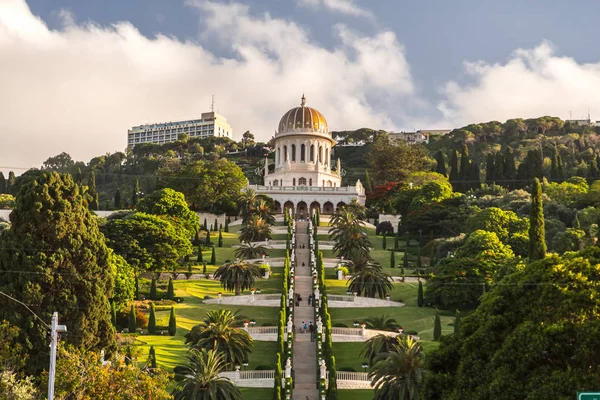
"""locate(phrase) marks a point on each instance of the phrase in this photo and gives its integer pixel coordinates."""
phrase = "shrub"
(123, 314)
(172, 323)
(152, 320)
(384, 227)
(207, 297)
(264, 368)
(170, 290)
(153, 295)
(340, 325)
(345, 271)
(347, 369)
(411, 333)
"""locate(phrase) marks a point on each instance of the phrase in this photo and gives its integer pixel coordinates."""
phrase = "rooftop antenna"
(212, 104)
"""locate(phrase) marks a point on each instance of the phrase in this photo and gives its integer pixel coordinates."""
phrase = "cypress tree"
(205, 225)
(10, 184)
(118, 199)
(278, 375)
(332, 393)
(92, 191)
(132, 320)
(199, 258)
(474, 176)
(457, 321)
(170, 289)
(216, 225)
(226, 229)
(152, 319)
(383, 243)
(172, 323)
(2, 183)
(137, 288)
(561, 172)
(368, 184)
(208, 242)
(537, 241)
(499, 169)
(204, 269)
(440, 166)
(392, 259)
(78, 177)
(152, 358)
(220, 239)
(465, 169)
(454, 173)
(510, 169)
(437, 327)
(420, 300)
(490, 169)
(419, 261)
(135, 196)
(113, 313)
(213, 257)
(554, 165)
(405, 260)
(153, 295)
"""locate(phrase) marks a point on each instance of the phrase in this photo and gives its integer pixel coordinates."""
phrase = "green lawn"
(363, 394)
(257, 393)
(411, 317)
(171, 351)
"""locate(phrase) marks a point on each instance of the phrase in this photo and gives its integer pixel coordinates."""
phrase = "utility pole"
(55, 330)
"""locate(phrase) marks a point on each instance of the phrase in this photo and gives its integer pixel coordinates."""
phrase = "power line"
(27, 307)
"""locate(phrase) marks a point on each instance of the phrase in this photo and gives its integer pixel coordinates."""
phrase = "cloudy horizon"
(75, 80)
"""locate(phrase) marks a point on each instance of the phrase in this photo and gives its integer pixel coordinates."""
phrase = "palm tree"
(264, 211)
(237, 276)
(361, 263)
(247, 203)
(220, 331)
(255, 229)
(378, 345)
(200, 380)
(251, 251)
(349, 234)
(371, 282)
(398, 374)
(382, 323)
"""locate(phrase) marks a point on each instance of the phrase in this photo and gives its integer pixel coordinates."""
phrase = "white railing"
(262, 330)
(250, 378)
(346, 331)
(352, 376)
(267, 374)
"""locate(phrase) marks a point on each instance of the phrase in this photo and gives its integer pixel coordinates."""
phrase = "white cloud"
(532, 83)
(79, 88)
(342, 6)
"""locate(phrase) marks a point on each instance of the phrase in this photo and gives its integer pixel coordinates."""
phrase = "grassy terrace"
(411, 317)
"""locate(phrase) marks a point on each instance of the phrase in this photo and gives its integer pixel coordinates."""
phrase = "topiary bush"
(384, 227)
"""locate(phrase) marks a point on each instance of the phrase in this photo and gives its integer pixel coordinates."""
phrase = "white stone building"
(209, 124)
(305, 177)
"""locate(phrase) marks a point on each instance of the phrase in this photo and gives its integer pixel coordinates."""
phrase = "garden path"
(305, 350)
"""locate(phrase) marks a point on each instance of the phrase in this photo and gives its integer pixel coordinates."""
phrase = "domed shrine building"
(304, 177)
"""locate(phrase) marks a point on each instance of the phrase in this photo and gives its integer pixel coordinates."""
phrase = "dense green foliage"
(64, 266)
(168, 202)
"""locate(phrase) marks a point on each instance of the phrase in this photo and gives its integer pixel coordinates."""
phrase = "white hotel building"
(210, 124)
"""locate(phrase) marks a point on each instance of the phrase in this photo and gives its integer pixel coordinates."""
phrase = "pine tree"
(437, 327)
(170, 289)
(52, 232)
(135, 196)
(457, 321)
(216, 225)
(92, 191)
(2, 183)
(152, 319)
(152, 358)
(199, 252)
(213, 257)
(454, 172)
(10, 184)
(420, 300)
(490, 169)
(368, 184)
(440, 166)
(392, 259)
(118, 199)
(132, 320)
(153, 295)
(220, 239)
(383, 241)
(226, 225)
(537, 240)
(113, 314)
(172, 323)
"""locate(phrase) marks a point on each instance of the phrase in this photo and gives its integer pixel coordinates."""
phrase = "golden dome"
(303, 119)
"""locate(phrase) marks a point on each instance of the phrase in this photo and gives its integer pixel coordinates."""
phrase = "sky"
(76, 74)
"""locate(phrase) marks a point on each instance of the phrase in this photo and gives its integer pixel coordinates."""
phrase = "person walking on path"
(309, 298)
(311, 328)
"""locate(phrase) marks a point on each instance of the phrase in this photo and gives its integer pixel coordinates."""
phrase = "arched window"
(302, 182)
(275, 182)
(334, 184)
(326, 156)
(294, 184)
(329, 183)
(302, 153)
(310, 182)
(320, 154)
(293, 153)
(284, 153)
(278, 156)
(312, 153)
(323, 182)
